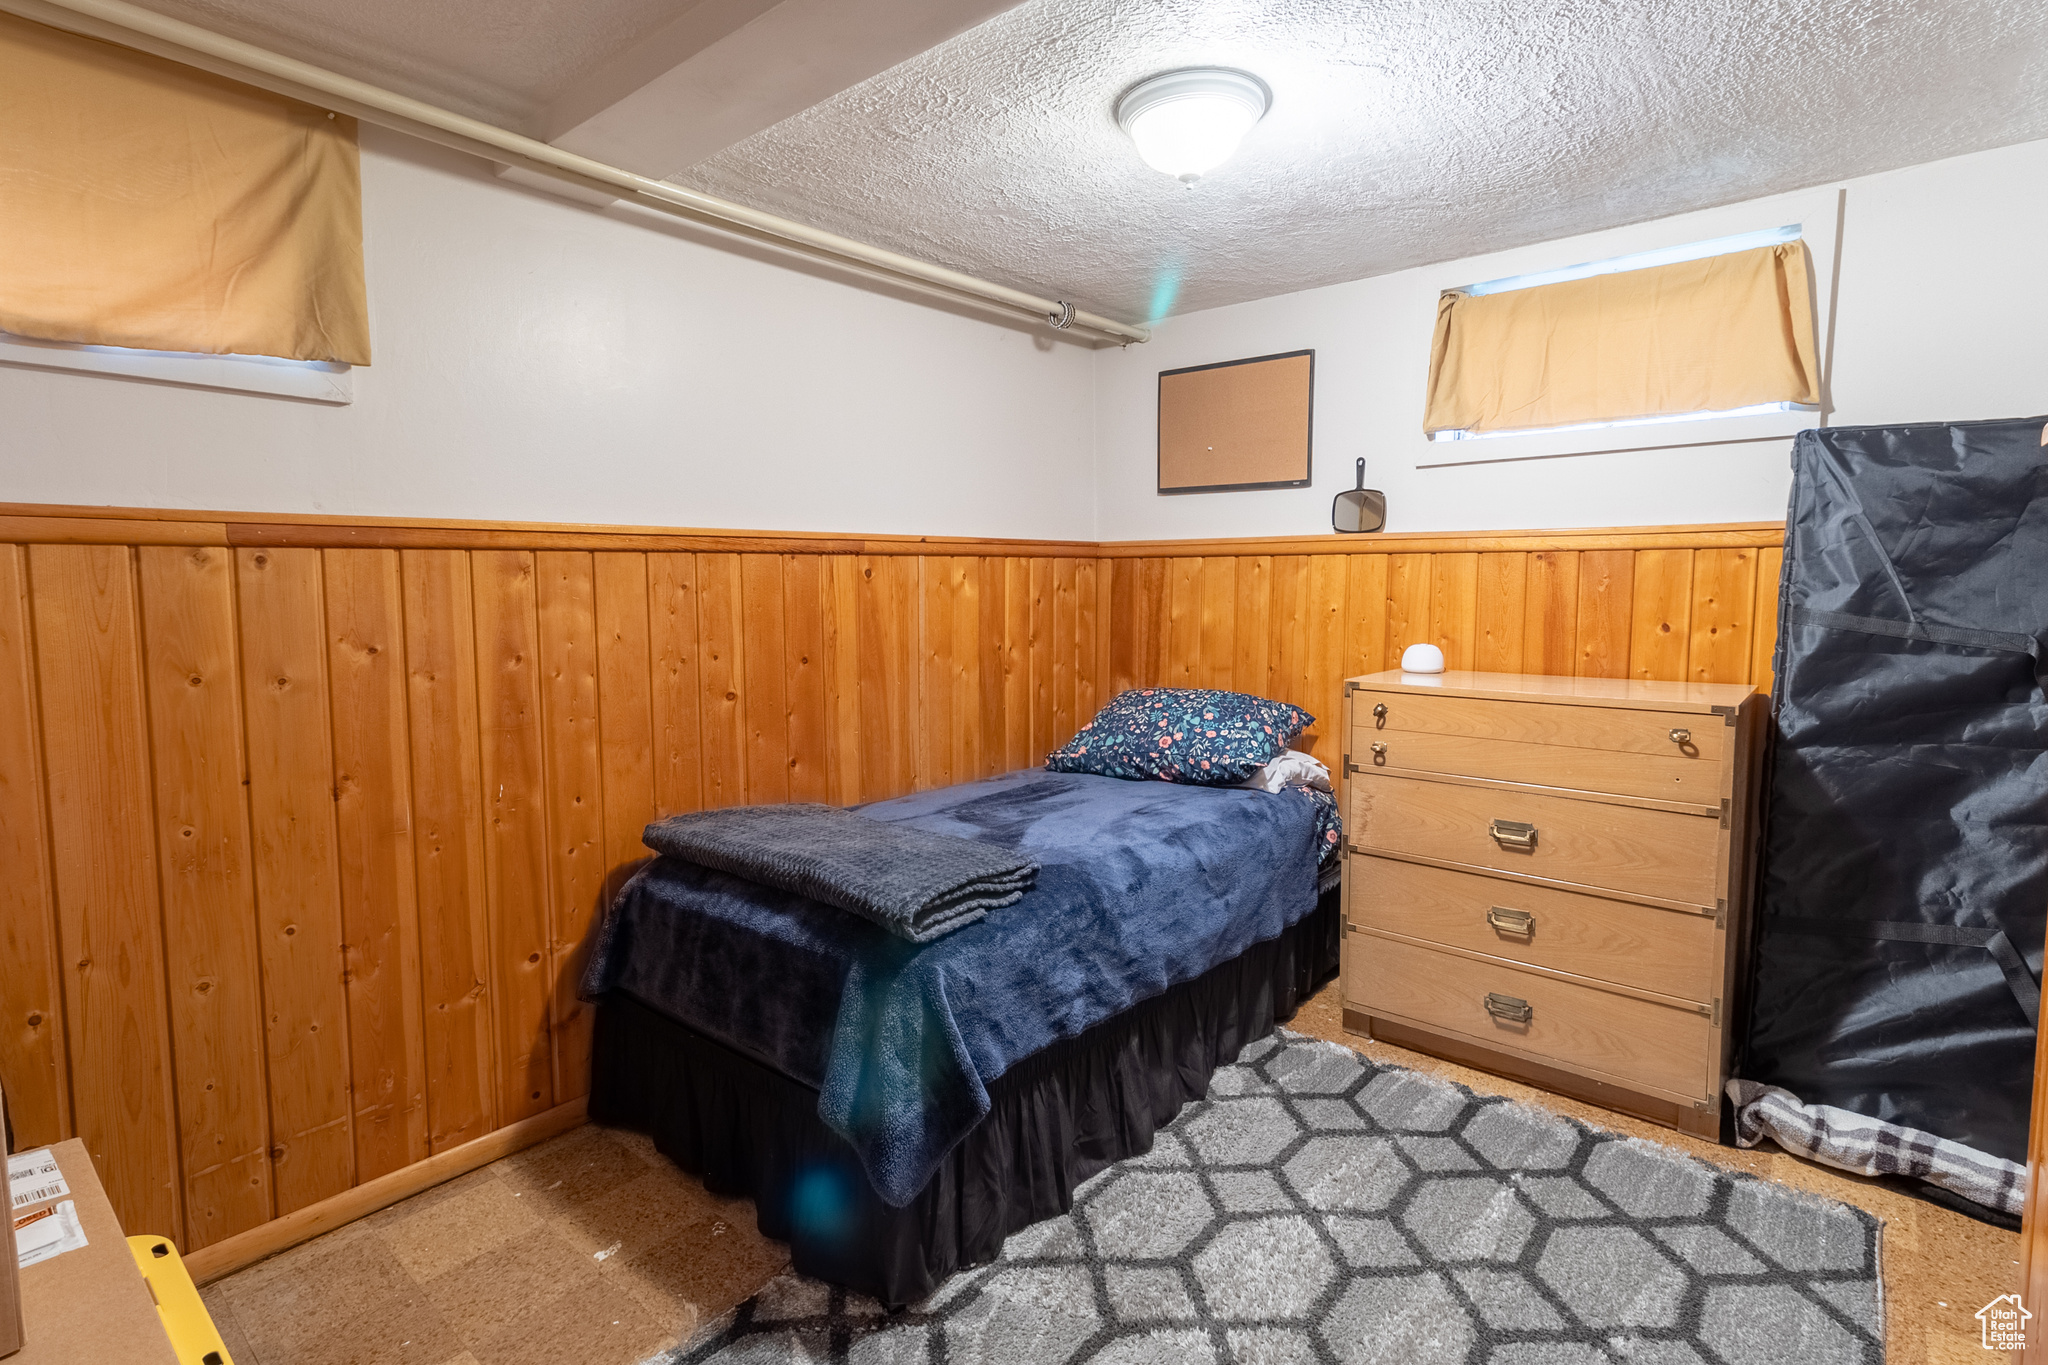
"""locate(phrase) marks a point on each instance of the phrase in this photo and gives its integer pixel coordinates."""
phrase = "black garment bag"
(1905, 858)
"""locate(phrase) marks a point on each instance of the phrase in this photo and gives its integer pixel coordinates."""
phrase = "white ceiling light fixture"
(1187, 123)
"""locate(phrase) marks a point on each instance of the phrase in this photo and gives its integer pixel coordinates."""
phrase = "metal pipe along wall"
(131, 26)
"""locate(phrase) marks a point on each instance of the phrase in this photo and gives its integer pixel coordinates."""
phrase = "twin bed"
(897, 1109)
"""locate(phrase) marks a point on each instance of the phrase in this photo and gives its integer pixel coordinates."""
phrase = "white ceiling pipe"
(132, 26)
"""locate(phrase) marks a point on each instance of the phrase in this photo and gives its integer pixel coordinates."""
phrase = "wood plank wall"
(305, 825)
(1294, 626)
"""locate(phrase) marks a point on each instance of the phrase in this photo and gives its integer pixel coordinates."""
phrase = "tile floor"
(592, 1249)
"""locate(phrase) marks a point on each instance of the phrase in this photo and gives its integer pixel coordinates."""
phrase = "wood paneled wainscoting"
(305, 824)
(1293, 618)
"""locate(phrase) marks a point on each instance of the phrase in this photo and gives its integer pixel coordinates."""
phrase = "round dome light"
(1187, 123)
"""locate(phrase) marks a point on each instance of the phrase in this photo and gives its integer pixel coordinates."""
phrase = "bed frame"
(1056, 1118)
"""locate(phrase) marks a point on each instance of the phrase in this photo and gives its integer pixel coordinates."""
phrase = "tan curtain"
(149, 205)
(1699, 336)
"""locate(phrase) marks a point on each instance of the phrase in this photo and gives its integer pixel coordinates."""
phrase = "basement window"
(1754, 410)
(318, 381)
(1651, 338)
(1639, 260)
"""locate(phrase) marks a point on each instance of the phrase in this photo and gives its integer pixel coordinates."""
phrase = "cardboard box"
(90, 1304)
(10, 1273)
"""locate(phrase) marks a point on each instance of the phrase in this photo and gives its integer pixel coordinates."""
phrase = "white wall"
(538, 360)
(1942, 315)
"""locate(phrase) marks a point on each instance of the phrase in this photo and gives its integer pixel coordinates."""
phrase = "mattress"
(1142, 886)
(1056, 1118)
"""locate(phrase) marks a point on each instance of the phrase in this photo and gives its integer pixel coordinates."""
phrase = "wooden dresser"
(1549, 877)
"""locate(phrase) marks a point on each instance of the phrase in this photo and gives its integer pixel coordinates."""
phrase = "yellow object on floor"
(186, 1321)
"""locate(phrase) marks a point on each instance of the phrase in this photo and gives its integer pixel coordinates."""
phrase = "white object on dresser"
(1422, 659)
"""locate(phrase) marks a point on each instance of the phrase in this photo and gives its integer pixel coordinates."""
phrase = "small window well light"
(1187, 123)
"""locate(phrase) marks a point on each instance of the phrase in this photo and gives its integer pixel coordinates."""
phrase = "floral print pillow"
(1182, 734)
(1329, 822)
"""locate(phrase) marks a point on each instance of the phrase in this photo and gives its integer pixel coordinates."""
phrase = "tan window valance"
(149, 205)
(1698, 336)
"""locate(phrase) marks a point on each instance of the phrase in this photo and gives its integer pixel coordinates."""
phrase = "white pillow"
(1292, 766)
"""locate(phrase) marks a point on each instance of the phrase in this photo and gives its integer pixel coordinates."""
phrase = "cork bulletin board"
(1237, 424)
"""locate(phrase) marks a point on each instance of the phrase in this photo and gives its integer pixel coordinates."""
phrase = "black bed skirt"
(1057, 1117)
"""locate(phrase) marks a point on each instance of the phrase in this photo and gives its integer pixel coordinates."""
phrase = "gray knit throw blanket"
(916, 884)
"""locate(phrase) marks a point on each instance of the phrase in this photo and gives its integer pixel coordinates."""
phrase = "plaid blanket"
(1867, 1146)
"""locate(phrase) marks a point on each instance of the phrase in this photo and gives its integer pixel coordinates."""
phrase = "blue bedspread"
(1143, 885)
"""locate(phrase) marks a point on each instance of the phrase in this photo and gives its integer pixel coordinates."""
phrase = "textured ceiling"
(1402, 131)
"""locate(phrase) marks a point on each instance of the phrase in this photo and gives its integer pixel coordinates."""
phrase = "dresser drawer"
(1662, 1047)
(1657, 853)
(1613, 728)
(1666, 776)
(1671, 952)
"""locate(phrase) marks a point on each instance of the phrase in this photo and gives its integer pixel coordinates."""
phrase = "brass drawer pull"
(1379, 715)
(1513, 834)
(1681, 737)
(1511, 1008)
(1511, 921)
(1379, 755)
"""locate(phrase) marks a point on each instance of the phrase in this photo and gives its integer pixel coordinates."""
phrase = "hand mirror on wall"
(1360, 508)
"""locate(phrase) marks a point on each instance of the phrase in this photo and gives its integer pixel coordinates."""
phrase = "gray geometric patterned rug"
(1319, 1208)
